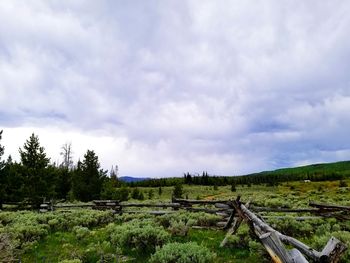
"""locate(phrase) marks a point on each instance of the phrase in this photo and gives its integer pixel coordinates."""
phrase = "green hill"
(313, 172)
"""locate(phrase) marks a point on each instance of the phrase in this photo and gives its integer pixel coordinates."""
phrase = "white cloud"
(163, 88)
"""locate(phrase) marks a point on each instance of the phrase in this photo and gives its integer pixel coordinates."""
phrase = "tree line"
(316, 172)
(34, 178)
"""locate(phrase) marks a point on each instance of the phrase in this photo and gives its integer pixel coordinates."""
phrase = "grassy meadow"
(83, 235)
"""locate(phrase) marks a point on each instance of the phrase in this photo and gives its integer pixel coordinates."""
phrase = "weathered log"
(306, 250)
(329, 206)
(275, 248)
(336, 247)
(265, 227)
(204, 227)
(221, 224)
(162, 205)
(156, 212)
(298, 218)
(199, 202)
(222, 206)
(223, 214)
(73, 205)
(332, 251)
(105, 204)
(297, 256)
(198, 209)
(284, 210)
(230, 220)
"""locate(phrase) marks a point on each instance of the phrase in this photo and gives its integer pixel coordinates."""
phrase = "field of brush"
(83, 235)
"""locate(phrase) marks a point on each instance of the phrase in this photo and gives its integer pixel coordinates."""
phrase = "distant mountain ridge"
(130, 179)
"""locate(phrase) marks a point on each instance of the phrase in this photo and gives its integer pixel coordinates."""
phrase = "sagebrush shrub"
(81, 232)
(141, 235)
(183, 253)
(240, 239)
(199, 219)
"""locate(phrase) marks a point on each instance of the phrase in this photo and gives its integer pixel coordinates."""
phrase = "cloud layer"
(162, 87)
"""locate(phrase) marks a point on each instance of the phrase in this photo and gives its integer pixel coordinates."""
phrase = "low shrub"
(290, 226)
(199, 219)
(143, 236)
(7, 248)
(180, 228)
(183, 253)
(81, 232)
(71, 261)
(240, 239)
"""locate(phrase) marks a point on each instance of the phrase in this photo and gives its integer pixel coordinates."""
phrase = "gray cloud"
(229, 87)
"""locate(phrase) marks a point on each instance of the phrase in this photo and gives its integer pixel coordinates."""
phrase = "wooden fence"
(233, 213)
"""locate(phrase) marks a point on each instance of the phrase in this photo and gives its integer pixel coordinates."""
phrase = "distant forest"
(314, 172)
(35, 178)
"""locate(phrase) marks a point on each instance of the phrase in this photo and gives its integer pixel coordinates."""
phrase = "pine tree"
(33, 155)
(88, 178)
(38, 181)
(177, 192)
(2, 149)
(93, 176)
(2, 176)
(150, 194)
(233, 188)
(135, 193)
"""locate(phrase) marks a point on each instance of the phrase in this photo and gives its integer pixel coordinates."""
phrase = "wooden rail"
(273, 240)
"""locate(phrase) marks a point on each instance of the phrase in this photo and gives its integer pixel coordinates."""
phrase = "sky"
(164, 87)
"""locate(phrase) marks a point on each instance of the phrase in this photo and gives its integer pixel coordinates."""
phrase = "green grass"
(60, 245)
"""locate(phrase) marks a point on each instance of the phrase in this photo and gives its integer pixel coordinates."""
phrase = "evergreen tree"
(135, 193)
(38, 181)
(79, 183)
(160, 191)
(2, 149)
(150, 194)
(92, 177)
(177, 192)
(88, 178)
(33, 155)
(233, 187)
(63, 181)
(108, 190)
(12, 182)
(2, 175)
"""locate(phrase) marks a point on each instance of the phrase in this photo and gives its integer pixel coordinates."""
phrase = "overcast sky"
(165, 87)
